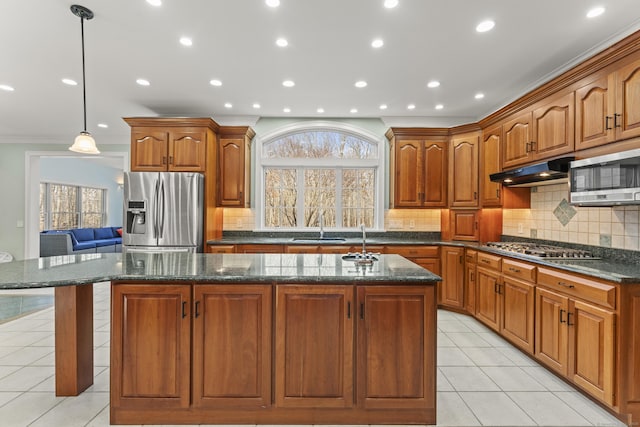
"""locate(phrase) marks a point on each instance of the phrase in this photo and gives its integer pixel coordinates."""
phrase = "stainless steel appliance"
(609, 180)
(163, 211)
(547, 172)
(540, 251)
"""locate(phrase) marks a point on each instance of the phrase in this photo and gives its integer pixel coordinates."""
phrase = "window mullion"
(301, 196)
(338, 173)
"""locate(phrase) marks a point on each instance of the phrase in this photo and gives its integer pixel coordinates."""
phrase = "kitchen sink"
(319, 240)
(359, 258)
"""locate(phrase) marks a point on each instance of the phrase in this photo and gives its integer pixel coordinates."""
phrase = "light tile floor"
(482, 379)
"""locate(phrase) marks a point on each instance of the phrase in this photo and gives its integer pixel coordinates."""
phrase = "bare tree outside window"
(344, 193)
(63, 207)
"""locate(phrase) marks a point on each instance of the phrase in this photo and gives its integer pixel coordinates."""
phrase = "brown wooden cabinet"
(488, 301)
(168, 149)
(231, 346)
(313, 363)
(490, 162)
(451, 289)
(418, 168)
(463, 167)
(150, 346)
(234, 166)
(470, 275)
(259, 249)
(392, 371)
(425, 256)
(464, 224)
(518, 134)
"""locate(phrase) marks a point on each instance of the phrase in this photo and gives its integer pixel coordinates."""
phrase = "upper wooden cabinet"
(234, 166)
(463, 164)
(490, 162)
(544, 132)
(608, 108)
(418, 168)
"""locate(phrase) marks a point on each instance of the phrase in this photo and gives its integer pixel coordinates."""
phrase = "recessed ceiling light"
(390, 4)
(288, 83)
(186, 41)
(215, 82)
(103, 125)
(361, 83)
(282, 42)
(286, 109)
(411, 107)
(7, 88)
(227, 105)
(485, 26)
(433, 83)
(70, 82)
(383, 106)
(256, 105)
(320, 110)
(439, 107)
(155, 2)
(353, 110)
(143, 82)
(596, 11)
(377, 43)
(272, 3)
(479, 95)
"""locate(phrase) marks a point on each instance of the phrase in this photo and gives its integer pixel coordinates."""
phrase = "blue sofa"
(80, 241)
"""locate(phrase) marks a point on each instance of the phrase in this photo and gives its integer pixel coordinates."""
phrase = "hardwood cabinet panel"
(221, 249)
(593, 119)
(582, 287)
(409, 172)
(149, 148)
(435, 173)
(232, 346)
(409, 251)
(464, 224)
(234, 168)
(452, 286)
(463, 187)
(518, 312)
(488, 301)
(187, 150)
(519, 269)
(553, 127)
(314, 346)
(490, 163)
(470, 284)
(396, 369)
(518, 134)
(151, 340)
(592, 348)
(627, 121)
(551, 342)
(260, 249)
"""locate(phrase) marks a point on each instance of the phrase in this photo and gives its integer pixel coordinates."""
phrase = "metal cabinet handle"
(348, 309)
(569, 314)
(533, 146)
(606, 123)
(164, 160)
(498, 193)
(170, 160)
(615, 120)
(486, 261)
(515, 270)
(361, 311)
(197, 309)
(561, 313)
(184, 309)
(566, 285)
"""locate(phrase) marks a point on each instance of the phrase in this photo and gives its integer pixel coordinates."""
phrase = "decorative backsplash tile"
(564, 212)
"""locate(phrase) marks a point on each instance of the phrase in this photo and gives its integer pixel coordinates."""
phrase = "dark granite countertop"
(216, 268)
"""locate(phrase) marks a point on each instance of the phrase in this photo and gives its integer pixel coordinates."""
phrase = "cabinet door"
(259, 249)
(431, 264)
(314, 346)
(518, 315)
(488, 301)
(518, 134)
(435, 177)
(232, 346)
(187, 151)
(396, 347)
(463, 189)
(490, 162)
(150, 346)
(594, 121)
(149, 150)
(551, 341)
(231, 173)
(470, 288)
(592, 335)
(409, 169)
(627, 122)
(553, 127)
(464, 224)
(452, 286)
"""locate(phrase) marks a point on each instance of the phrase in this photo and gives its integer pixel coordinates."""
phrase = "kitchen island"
(248, 339)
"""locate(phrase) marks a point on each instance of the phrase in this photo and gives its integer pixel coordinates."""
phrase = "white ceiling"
(329, 50)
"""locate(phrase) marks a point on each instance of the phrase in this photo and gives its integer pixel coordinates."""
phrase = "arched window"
(329, 175)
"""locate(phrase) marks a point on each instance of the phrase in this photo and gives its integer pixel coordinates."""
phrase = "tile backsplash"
(551, 217)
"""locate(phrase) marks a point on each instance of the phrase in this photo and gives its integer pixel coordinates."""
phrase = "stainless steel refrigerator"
(163, 211)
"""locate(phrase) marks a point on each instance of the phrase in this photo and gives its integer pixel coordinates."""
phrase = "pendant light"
(84, 142)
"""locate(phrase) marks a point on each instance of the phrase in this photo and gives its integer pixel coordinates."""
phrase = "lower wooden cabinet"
(451, 289)
(488, 301)
(517, 324)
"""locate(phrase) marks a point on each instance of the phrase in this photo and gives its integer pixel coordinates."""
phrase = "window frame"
(79, 213)
(378, 164)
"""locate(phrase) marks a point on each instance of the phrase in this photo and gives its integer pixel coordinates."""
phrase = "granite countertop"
(226, 268)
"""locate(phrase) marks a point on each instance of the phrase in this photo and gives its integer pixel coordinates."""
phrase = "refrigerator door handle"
(162, 210)
(155, 209)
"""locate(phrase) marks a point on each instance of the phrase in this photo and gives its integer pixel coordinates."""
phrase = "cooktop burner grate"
(540, 251)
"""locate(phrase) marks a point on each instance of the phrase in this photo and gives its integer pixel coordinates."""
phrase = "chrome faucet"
(364, 240)
(321, 221)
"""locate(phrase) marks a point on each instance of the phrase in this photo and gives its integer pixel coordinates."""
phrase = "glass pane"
(43, 206)
(280, 198)
(92, 207)
(64, 206)
(358, 197)
(321, 144)
(319, 197)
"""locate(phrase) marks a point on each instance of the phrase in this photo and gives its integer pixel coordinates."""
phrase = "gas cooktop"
(541, 251)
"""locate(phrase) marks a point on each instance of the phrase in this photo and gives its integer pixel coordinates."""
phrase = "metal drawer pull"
(569, 319)
(566, 285)
(561, 312)
(486, 261)
(515, 270)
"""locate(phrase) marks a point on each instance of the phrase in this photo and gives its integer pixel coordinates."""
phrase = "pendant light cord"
(84, 85)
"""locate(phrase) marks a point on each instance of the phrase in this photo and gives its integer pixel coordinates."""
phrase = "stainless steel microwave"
(610, 180)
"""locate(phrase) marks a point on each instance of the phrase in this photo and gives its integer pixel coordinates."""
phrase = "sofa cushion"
(117, 231)
(83, 234)
(107, 242)
(103, 233)
(84, 245)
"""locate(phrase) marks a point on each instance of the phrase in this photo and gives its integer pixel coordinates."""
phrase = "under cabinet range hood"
(548, 172)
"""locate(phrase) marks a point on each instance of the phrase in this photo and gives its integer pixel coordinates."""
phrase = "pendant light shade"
(84, 142)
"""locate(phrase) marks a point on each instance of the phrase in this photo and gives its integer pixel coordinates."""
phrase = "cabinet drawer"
(519, 270)
(470, 256)
(415, 251)
(587, 289)
(221, 249)
(489, 261)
